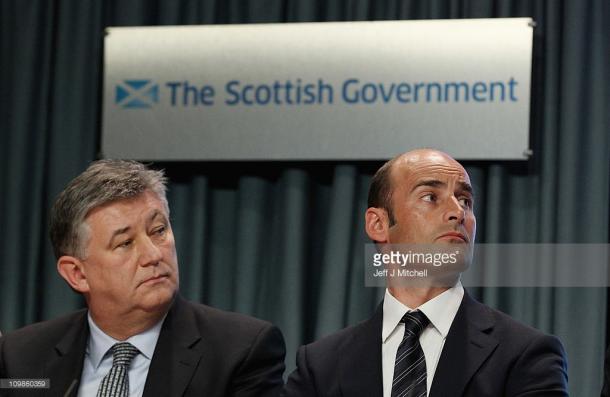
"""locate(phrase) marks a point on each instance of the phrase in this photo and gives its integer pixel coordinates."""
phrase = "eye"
(160, 231)
(430, 197)
(465, 202)
(125, 244)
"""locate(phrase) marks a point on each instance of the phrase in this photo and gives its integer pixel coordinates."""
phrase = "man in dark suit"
(114, 243)
(429, 338)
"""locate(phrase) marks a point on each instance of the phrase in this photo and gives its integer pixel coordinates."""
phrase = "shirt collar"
(440, 310)
(99, 342)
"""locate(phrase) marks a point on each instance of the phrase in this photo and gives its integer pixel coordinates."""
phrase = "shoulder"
(243, 347)
(508, 328)
(320, 363)
(364, 336)
(529, 358)
(328, 349)
(248, 353)
(43, 332)
(225, 320)
(516, 339)
(220, 327)
(337, 339)
(528, 340)
(29, 346)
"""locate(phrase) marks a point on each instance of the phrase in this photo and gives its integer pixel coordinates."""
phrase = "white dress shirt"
(98, 359)
(440, 310)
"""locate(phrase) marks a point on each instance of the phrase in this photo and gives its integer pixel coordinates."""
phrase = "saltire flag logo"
(140, 94)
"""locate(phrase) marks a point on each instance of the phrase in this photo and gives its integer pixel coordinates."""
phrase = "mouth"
(453, 236)
(155, 279)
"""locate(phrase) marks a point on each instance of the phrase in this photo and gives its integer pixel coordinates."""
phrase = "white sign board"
(318, 91)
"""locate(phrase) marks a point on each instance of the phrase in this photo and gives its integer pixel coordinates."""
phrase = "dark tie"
(410, 365)
(116, 383)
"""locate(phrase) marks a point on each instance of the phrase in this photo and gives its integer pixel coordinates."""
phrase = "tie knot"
(415, 322)
(123, 353)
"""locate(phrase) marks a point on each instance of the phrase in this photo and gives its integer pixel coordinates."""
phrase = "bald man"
(431, 338)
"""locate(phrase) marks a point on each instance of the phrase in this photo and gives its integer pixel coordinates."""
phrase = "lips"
(153, 279)
(453, 235)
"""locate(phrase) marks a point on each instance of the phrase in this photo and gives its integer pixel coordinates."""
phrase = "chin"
(158, 301)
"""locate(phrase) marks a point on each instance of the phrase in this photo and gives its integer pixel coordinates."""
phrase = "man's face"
(130, 262)
(431, 200)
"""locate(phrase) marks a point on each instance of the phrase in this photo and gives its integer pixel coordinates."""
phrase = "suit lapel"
(467, 346)
(65, 368)
(360, 372)
(177, 354)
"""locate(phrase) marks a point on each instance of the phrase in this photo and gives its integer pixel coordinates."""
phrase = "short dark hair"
(380, 191)
(102, 182)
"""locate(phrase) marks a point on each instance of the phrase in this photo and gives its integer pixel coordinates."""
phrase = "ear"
(377, 224)
(72, 270)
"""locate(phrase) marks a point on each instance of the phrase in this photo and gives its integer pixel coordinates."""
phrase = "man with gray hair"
(114, 244)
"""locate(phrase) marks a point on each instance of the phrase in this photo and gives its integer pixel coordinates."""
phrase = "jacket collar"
(177, 354)
(467, 346)
(65, 368)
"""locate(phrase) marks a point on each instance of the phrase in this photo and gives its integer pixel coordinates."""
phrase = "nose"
(150, 254)
(455, 212)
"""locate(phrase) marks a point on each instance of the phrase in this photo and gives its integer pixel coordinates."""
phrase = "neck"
(414, 297)
(122, 327)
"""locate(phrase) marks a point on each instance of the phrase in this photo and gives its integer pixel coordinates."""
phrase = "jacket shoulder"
(517, 340)
(512, 328)
(329, 345)
(43, 332)
(225, 319)
(23, 350)
(225, 327)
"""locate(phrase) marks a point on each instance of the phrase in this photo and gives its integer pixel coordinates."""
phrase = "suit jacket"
(486, 353)
(201, 351)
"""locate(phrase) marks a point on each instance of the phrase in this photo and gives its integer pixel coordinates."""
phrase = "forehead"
(413, 168)
(128, 210)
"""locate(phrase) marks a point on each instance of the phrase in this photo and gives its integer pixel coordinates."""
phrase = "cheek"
(168, 243)
(169, 250)
(472, 226)
(114, 269)
(420, 227)
(409, 229)
(104, 281)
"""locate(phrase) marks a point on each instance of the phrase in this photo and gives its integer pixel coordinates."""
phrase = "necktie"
(410, 365)
(116, 383)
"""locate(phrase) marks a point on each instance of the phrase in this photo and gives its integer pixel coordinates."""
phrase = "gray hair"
(104, 181)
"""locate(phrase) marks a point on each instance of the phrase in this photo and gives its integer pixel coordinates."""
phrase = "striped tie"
(116, 383)
(410, 365)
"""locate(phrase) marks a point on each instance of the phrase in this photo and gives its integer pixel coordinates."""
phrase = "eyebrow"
(117, 232)
(436, 183)
(429, 183)
(155, 214)
(467, 187)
